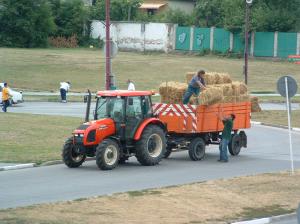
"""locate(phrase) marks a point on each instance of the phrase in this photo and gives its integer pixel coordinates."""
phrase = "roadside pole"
(289, 123)
(287, 87)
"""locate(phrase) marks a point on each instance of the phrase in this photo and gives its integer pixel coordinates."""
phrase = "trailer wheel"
(234, 145)
(197, 149)
(107, 154)
(152, 146)
(69, 155)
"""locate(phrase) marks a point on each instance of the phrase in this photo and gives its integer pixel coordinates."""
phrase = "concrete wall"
(139, 36)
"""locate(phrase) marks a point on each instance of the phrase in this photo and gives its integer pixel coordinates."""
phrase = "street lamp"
(248, 4)
(107, 46)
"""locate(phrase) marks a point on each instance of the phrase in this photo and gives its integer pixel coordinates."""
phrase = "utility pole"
(246, 52)
(107, 45)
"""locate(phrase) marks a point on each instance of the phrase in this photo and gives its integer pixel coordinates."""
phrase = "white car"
(17, 97)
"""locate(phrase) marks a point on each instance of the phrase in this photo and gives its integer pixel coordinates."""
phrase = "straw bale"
(239, 88)
(254, 104)
(229, 99)
(211, 96)
(172, 92)
(243, 98)
(211, 78)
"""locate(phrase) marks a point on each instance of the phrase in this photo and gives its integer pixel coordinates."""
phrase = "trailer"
(193, 127)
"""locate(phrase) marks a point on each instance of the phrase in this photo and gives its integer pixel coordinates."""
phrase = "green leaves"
(25, 23)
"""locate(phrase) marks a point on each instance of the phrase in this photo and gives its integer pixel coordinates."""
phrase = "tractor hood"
(93, 132)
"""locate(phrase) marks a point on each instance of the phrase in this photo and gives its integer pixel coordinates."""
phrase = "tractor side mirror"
(85, 98)
(130, 101)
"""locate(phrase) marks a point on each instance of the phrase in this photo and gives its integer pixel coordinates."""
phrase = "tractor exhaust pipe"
(87, 99)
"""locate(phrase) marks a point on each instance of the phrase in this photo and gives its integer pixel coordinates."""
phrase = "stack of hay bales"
(211, 78)
(219, 89)
(172, 92)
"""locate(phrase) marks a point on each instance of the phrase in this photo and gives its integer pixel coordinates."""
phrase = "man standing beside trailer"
(226, 135)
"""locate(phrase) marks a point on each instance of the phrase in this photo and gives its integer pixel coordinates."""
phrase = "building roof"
(152, 5)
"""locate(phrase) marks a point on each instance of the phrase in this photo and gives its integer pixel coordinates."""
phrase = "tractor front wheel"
(107, 154)
(70, 157)
(151, 147)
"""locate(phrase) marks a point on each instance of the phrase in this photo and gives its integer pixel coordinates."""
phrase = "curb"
(268, 220)
(17, 167)
(274, 125)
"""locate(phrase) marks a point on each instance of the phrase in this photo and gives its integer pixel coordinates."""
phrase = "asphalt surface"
(78, 109)
(267, 152)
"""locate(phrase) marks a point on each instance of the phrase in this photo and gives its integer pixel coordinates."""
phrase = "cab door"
(134, 115)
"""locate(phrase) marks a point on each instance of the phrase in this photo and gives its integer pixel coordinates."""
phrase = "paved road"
(78, 109)
(267, 152)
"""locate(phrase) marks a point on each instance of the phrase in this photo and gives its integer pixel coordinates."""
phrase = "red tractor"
(124, 125)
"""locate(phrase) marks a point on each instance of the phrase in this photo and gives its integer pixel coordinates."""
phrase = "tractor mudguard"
(141, 128)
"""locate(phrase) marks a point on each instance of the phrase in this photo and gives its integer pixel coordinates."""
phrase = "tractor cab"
(127, 109)
(123, 126)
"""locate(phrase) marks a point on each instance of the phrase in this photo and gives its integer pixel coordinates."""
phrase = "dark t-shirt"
(194, 80)
(226, 133)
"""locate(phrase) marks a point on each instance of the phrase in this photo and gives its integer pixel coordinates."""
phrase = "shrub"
(63, 42)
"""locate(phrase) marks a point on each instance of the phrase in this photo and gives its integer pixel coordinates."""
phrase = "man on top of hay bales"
(226, 135)
(196, 83)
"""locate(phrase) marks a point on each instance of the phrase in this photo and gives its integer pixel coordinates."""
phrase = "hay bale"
(239, 88)
(211, 78)
(243, 98)
(211, 96)
(172, 92)
(254, 104)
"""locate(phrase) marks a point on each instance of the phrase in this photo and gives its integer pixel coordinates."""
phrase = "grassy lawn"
(33, 138)
(277, 117)
(43, 69)
(211, 202)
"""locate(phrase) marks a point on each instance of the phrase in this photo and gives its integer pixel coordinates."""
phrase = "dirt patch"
(211, 202)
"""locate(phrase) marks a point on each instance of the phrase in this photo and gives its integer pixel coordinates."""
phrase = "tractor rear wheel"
(151, 147)
(107, 154)
(234, 145)
(70, 157)
(197, 149)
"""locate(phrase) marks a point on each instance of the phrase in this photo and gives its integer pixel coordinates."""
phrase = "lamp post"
(107, 46)
(248, 4)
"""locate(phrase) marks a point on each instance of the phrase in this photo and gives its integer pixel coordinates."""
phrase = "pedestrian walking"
(64, 88)
(131, 86)
(226, 135)
(5, 97)
(196, 84)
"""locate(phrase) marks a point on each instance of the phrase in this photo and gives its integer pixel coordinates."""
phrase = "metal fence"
(261, 44)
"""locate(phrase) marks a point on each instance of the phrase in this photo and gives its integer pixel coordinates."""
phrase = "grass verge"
(85, 69)
(211, 202)
(277, 117)
(33, 138)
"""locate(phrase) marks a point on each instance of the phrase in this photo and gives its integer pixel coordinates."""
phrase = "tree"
(209, 13)
(70, 18)
(174, 16)
(25, 23)
(120, 10)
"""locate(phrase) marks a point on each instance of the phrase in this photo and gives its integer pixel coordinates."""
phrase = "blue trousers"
(189, 92)
(63, 94)
(223, 149)
(5, 104)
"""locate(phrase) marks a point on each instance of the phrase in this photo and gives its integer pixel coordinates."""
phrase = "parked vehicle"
(127, 124)
(17, 97)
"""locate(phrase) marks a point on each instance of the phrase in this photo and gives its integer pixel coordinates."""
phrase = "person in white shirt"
(64, 88)
(130, 85)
